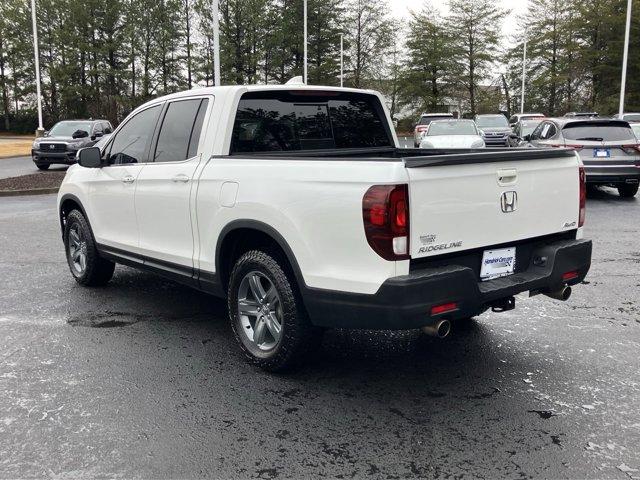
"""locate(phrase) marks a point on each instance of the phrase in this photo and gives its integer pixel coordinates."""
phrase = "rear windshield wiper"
(591, 139)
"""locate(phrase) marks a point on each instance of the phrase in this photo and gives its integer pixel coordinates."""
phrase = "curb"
(33, 191)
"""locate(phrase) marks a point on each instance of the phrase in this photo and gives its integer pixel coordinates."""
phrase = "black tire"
(628, 191)
(97, 271)
(297, 338)
(43, 166)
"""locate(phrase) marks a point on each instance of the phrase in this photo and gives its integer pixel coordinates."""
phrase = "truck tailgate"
(458, 205)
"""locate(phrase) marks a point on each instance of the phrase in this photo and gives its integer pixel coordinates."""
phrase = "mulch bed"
(33, 181)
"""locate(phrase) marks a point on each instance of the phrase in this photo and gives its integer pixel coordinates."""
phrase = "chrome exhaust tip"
(440, 329)
(562, 294)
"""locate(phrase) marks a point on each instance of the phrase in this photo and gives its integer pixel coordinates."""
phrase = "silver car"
(609, 149)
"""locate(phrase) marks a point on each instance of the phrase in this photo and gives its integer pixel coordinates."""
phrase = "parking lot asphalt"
(142, 379)
(17, 166)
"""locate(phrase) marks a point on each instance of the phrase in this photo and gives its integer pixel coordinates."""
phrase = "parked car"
(452, 134)
(636, 129)
(521, 130)
(495, 129)
(608, 148)
(60, 144)
(297, 205)
(524, 116)
(581, 114)
(423, 124)
(629, 117)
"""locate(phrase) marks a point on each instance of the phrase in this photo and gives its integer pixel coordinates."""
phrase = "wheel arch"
(237, 233)
(69, 202)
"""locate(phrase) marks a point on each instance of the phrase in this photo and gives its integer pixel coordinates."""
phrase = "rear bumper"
(405, 302)
(612, 174)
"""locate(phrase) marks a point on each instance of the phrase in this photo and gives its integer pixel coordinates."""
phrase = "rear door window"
(598, 132)
(177, 135)
(308, 120)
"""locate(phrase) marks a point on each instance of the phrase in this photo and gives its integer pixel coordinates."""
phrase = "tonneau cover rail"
(465, 157)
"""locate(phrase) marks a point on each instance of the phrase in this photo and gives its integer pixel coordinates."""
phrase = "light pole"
(341, 60)
(36, 56)
(524, 70)
(625, 56)
(216, 43)
(305, 41)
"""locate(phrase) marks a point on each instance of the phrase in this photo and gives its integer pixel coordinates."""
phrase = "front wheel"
(628, 190)
(267, 315)
(86, 265)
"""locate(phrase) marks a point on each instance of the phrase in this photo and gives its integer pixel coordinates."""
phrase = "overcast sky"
(401, 10)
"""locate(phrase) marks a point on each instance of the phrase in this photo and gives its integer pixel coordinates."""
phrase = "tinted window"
(598, 132)
(427, 120)
(175, 133)
(131, 142)
(454, 127)
(197, 129)
(290, 121)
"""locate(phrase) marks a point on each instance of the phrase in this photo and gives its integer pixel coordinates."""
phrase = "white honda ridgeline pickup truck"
(297, 205)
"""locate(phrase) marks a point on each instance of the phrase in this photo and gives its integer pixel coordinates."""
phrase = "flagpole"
(305, 41)
(216, 43)
(623, 83)
(36, 56)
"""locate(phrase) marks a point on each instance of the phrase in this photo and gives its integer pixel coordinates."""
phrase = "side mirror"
(527, 138)
(96, 135)
(514, 136)
(107, 131)
(80, 134)
(90, 157)
(45, 133)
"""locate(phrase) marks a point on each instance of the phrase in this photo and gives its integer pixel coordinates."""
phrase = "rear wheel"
(42, 166)
(86, 265)
(628, 190)
(268, 318)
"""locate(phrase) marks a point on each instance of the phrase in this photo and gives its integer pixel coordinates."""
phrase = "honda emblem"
(509, 202)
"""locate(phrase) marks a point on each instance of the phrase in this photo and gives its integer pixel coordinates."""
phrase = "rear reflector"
(583, 197)
(444, 308)
(569, 276)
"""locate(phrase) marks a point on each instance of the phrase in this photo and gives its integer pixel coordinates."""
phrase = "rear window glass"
(598, 133)
(307, 120)
(495, 121)
(455, 127)
(632, 117)
(431, 118)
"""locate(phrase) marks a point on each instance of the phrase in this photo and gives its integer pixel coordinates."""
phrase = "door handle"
(507, 177)
(181, 179)
(128, 179)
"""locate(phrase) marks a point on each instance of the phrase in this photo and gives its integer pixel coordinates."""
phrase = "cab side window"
(131, 143)
(537, 133)
(180, 131)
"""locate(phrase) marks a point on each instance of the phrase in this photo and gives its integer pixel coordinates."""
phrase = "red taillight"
(444, 308)
(385, 211)
(569, 276)
(422, 128)
(583, 197)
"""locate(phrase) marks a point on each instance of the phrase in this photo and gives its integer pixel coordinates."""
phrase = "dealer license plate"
(498, 263)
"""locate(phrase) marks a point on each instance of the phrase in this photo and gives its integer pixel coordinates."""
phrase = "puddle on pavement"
(104, 320)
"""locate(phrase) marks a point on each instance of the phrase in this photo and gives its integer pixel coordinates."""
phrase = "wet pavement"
(18, 166)
(142, 379)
